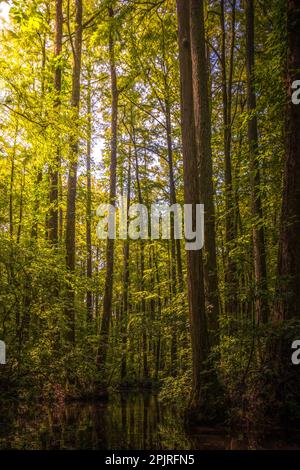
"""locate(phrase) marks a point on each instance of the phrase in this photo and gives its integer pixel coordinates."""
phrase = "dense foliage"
(84, 100)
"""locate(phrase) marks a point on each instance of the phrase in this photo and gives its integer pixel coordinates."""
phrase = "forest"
(162, 102)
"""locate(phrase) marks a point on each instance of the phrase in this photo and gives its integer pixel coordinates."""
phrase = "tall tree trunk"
(107, 301)
(176, 261)
(176, 281)
(159, 308)
(89, 269)
(11, 185)
(286, 382)
(54, 171)
(124, 319)
(203, 134)
(142, 270)
(260, 266)
(288, 306)
(34, 227)
(72, 176)
(23, 175)
(96, 296)
(175, 248)
(230, 268)
(200, 346)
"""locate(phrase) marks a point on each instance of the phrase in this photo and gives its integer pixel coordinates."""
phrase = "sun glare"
(4, 14)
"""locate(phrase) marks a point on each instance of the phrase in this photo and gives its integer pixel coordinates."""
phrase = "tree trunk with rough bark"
(288, 306)
(108, 290)
(203, 135)
(72, 174)
(230, 235)
(54, 171)
(259, 249)
(199, 336)
(89, 267)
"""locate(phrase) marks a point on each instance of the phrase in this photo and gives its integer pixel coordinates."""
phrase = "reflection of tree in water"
(126, 421)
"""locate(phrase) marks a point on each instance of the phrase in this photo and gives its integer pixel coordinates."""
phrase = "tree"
(107, 300)
(259, 249)
(54, 173)
(72, 175)
(288, 305)
(89, 261)
(126, 281)
(230, 235)
(203, 134)
(200, 347)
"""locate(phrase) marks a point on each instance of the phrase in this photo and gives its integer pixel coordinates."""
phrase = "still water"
(126, 421)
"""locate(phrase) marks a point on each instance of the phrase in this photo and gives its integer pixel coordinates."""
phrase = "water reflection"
(126, 421)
